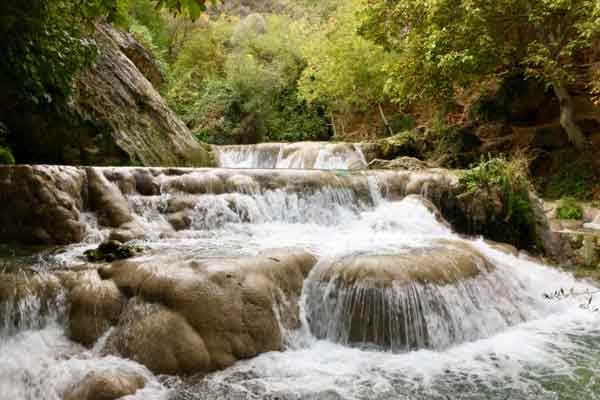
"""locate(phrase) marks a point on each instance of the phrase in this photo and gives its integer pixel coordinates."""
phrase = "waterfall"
(303, 155)
(398, 306)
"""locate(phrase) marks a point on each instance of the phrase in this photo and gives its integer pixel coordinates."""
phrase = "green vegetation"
(569, 208)
(501, 188)
(510, 177)
(45, 43)
(445, 45)
(571, 174)
(235, 82)
(290, 70)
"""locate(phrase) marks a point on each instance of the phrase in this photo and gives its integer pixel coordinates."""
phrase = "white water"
(502, 340)
(302, 155)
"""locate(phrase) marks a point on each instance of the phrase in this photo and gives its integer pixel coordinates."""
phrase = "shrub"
(501, 187)
(568, 208)
(6, 156)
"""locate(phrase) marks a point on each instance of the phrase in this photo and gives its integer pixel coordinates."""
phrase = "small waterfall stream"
(397, 307)
(302, 155)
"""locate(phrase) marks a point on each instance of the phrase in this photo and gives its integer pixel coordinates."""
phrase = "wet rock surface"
(202, 315)
(106, 385)
(41, 204)
(398, 302)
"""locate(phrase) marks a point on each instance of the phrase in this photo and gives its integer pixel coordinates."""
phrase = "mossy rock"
(112, 250)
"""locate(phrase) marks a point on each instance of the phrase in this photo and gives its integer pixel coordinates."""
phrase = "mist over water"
(489, 336)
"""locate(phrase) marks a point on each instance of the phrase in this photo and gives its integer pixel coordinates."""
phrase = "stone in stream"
(106, 385)
(392, 300)
(201, 315)
(96, 305)
(112, 250)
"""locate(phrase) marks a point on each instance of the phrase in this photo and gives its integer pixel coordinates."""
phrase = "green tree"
(236, 81)
(448, 43)
(45, 42)
(344, 71)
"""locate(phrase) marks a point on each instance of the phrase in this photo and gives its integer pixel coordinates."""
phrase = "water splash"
(302, 155)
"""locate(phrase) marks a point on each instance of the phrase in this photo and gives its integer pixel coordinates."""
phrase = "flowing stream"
(487, 336)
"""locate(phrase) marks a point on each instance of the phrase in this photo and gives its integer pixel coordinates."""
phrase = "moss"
(453, 146)
(401, 144)
(111, 250)
(569, 209)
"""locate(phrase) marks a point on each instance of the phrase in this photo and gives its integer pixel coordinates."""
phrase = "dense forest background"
(453, 80)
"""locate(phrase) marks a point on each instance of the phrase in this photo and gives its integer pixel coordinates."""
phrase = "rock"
(106, 200)
(106, 385)
(393, 300)
(209, 313)
(96, 305)
(127, 232)
(448, 263)
(112, 250)
(180, 220)
(115, 117)
(406, 163)
(139, 55)
(41, 204)
(402, 144)
(160, 339)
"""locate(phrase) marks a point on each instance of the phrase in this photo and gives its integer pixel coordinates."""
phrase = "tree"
(193, 8)
(449, 43)
(344, 69)
(45, 42)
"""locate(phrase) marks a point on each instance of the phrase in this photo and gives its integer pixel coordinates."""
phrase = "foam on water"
(43, 364)
(303, 155)
(501, 338)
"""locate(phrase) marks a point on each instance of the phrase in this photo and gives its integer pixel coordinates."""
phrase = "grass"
(569, 208)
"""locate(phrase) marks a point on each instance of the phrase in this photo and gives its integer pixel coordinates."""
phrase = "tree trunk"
(333, 126)
(567, 120)
(385, 121)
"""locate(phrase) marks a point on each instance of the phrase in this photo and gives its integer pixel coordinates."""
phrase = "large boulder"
(138, 55)
(201, 315)
(96, 305)
(115, 117)
(41, 204)
(394, 301)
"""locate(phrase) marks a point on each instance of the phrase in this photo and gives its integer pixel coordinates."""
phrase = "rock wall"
(115, 117)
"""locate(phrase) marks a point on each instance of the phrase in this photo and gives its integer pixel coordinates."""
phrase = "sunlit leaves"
(191, 8)
(447, 43)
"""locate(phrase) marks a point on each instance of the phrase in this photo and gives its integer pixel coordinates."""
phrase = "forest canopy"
(306, 69)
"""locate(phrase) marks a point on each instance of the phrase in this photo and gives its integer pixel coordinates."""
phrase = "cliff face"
(116, 117)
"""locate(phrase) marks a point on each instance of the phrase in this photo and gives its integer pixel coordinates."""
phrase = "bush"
(6, 156)
(568, 208)
(501, 187)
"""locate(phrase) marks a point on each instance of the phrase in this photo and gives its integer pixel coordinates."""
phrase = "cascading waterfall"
(397, 307)
(303, 155)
